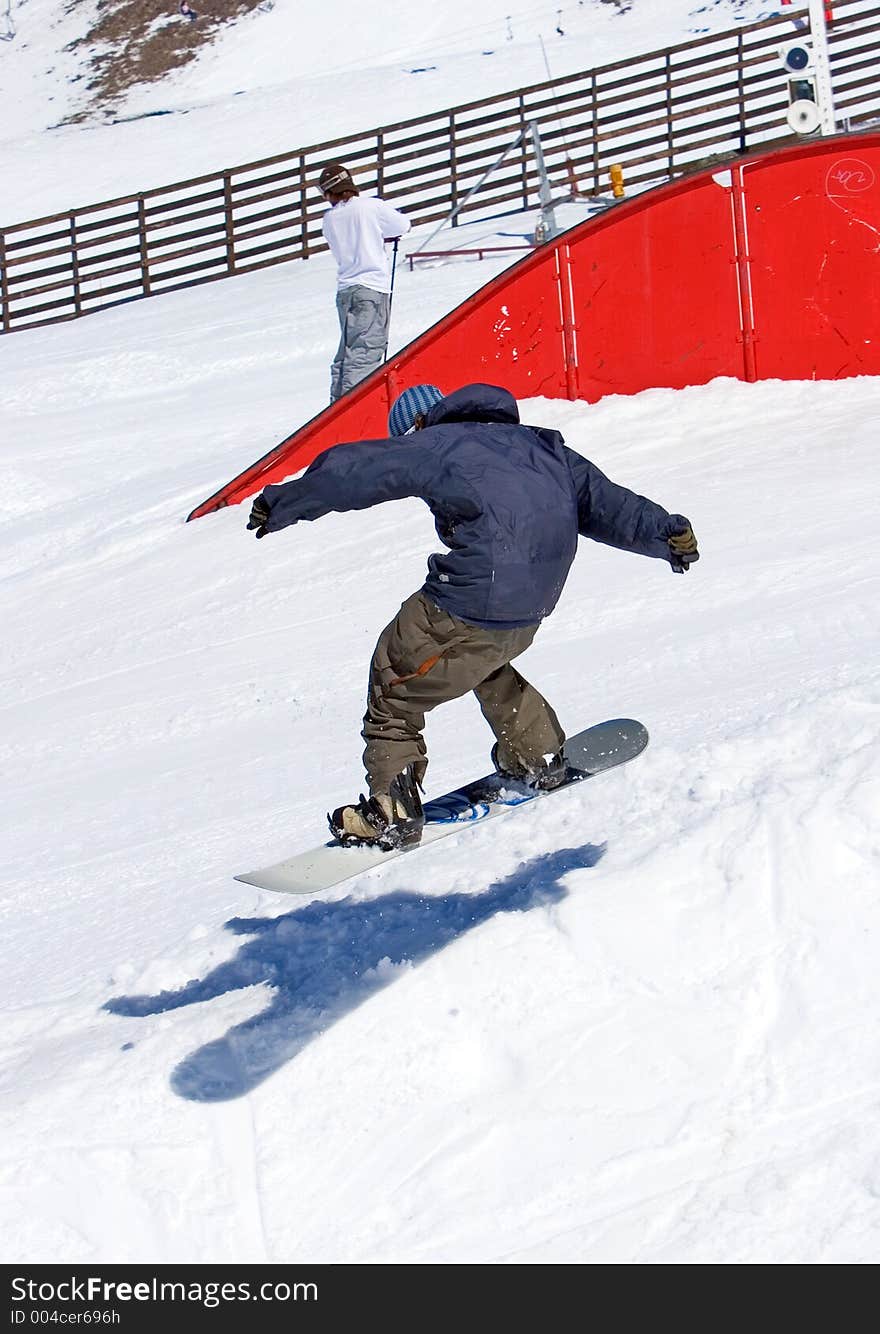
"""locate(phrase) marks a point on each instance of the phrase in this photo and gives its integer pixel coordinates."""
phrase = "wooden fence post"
(524, 159)
(4, 286)
(594, 112)
(670, 136)
(230, 222)
(303, 208)
(230, 219)
(453, 169)
(74, 265)
(145, 254)
(741, 89)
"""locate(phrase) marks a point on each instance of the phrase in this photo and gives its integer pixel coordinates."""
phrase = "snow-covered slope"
(633, 1024)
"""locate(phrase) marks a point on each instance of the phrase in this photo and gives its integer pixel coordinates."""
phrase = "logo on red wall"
(848, 176)
(851, 185)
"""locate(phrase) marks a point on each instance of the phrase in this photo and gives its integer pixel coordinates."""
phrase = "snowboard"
(599, 748)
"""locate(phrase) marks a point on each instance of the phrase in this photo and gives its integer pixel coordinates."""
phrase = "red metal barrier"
(769, 269)
(814, 241)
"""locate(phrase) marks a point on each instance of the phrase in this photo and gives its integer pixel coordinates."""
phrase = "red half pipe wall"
(766, 269)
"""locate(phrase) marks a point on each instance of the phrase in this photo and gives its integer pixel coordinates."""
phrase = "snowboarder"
(509, 502)
(356, 227)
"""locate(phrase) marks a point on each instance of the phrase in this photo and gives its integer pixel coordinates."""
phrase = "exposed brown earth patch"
(140, 41)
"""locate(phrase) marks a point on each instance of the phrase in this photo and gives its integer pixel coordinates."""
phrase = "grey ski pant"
(426, 657)
(363, 339)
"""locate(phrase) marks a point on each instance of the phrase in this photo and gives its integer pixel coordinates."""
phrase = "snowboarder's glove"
(683, 549)
(259, 516)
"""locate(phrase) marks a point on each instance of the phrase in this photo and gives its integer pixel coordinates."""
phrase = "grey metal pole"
(393, 268)
(391, 294)
(547, 214)
(473, 190)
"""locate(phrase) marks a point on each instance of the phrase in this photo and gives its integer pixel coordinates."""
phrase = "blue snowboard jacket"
(508, 501)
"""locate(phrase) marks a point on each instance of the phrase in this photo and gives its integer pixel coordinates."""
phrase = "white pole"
(824, 89)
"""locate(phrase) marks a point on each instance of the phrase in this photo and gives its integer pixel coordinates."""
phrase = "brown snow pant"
(426, 657)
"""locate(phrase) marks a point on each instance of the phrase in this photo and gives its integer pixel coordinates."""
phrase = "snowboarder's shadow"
(323, 960)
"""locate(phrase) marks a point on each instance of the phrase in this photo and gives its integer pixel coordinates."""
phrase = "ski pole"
(391, 293)
(393, 269)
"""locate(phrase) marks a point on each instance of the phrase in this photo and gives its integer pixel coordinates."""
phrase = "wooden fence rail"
(659, 115)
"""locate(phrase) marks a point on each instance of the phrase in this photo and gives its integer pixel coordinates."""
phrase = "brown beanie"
(336, 180)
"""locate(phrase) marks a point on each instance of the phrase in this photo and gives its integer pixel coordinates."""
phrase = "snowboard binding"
(551, 773)
(391, 821)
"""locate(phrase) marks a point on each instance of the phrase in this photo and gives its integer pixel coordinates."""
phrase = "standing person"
(356, 228)
(509, 502)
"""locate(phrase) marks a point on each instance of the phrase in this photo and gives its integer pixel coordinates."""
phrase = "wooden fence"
(660, 115)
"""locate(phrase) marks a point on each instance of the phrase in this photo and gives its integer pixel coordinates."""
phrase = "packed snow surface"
(634, 1023)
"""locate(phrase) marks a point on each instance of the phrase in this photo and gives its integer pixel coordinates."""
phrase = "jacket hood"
(475, 403)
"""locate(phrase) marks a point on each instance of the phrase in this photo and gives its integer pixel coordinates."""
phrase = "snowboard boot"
(384, 820)
(552, 772)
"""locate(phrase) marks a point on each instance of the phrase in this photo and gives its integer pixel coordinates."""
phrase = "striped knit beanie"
(404, 410)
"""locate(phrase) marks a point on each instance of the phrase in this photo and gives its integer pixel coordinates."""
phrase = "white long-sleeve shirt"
(356, 230)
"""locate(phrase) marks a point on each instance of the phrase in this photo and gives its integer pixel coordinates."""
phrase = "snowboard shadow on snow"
(325, 959)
